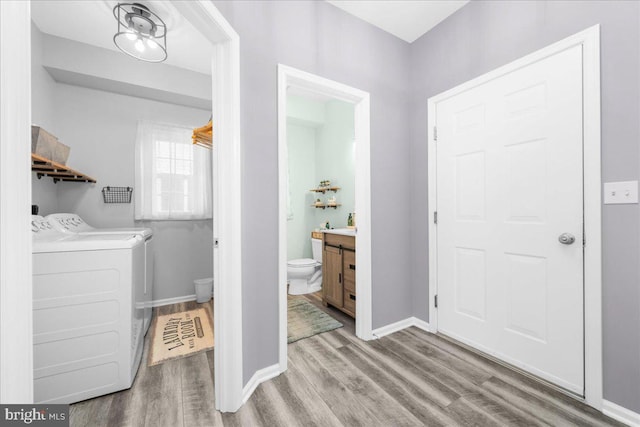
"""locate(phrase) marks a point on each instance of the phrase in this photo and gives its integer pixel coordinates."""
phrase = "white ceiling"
(92, 22)
(405, 19)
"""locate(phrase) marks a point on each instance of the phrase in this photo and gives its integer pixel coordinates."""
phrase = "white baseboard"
(174, 300)
(421, 324)
(400, 325)
(621, 414)
(258, 378)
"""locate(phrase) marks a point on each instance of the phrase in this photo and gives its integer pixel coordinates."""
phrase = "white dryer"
(70, 223)
(88, 315)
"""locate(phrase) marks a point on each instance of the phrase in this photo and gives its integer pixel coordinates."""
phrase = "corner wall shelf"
(59, 172)
(324, 189)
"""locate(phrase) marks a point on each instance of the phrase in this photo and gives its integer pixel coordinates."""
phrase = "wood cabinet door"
(332, 276)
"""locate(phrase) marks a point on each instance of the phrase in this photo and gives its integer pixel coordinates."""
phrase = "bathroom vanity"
(339, 270)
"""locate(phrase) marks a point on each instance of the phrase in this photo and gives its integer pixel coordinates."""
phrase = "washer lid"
(304, 262)
(144, 232)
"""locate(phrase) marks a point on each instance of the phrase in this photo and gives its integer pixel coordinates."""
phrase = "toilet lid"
(304, 262)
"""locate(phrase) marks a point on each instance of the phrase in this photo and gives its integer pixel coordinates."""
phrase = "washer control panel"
(41, 229)
(68, 223)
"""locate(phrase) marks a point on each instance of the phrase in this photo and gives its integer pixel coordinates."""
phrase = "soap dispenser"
(350, 220)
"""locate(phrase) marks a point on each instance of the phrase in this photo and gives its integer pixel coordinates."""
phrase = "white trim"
(421, 324)
(400, 325)
(261, 375)
(173, 300)
(16, 313)
(287, 77)
(228, 359)
(432, 169)
(282, 219)
(590, 40)
(393, 327)
(592, 216)
(620, 413)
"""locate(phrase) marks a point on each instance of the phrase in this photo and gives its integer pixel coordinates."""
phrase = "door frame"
(16, 287)
(291, 77)
(589, 39)
(16, 298)
(227, 196)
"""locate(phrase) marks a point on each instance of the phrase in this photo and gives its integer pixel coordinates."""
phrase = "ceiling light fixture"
(141, 33)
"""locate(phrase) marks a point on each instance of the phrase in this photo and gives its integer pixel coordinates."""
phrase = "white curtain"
(173, 176)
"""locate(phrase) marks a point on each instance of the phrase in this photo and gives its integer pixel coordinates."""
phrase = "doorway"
(290, 78)
(16, 369)
(514, 190)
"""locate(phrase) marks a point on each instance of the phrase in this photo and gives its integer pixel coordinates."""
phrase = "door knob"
(566, 238)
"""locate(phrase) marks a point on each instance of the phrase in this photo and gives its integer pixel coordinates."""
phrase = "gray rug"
(305, 320)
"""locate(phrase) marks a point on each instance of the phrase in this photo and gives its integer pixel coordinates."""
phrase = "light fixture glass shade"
(141, 33)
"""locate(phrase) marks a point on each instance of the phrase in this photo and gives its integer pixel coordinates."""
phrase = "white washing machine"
(70, 223)
(88, 313)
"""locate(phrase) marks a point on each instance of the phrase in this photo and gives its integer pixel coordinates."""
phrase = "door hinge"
(435, 301)
(435, 133)
(435, 217)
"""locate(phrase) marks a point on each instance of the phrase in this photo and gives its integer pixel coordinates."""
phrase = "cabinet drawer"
(349, 285)
(338, 239)
(350, 301)
(349, 266)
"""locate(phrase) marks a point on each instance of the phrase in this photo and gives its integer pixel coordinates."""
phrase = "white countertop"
(342, 231)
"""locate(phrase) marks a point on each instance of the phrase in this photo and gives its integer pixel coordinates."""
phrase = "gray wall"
(100, 128)
(44, 192)
(485, 35)
(85, 65)
(335, 161)
(319, 38)
(316, 154)
(301, 219)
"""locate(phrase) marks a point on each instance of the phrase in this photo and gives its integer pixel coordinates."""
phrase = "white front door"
(509, 184)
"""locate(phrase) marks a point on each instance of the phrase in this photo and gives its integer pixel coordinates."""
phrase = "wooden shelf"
(326, 206)
(59, 172)
(325, 189)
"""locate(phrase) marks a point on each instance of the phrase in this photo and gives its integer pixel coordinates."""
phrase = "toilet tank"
(316, 249)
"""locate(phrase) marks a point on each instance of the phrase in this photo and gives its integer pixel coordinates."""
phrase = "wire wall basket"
(117, 194)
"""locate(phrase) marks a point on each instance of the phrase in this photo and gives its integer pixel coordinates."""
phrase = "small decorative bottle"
(350, 220)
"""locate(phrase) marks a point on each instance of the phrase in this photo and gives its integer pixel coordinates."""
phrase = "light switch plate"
(618, 193)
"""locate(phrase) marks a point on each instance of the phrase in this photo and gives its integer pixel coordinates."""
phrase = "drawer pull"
(352, 267)
(339, 277)
(352, 297)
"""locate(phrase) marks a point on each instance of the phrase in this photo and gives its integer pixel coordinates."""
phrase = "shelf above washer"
(57, 171)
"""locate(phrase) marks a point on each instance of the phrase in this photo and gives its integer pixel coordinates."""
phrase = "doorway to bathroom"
(324, 208)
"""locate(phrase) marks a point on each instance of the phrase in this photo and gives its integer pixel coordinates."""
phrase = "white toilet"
(305, 275)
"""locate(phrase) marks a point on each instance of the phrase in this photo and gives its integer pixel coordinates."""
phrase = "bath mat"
(305, 320)
(180, 334)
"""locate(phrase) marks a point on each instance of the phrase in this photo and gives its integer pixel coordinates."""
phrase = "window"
(173, 176)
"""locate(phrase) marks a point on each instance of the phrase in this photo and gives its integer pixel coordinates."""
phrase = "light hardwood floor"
(409, 378)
